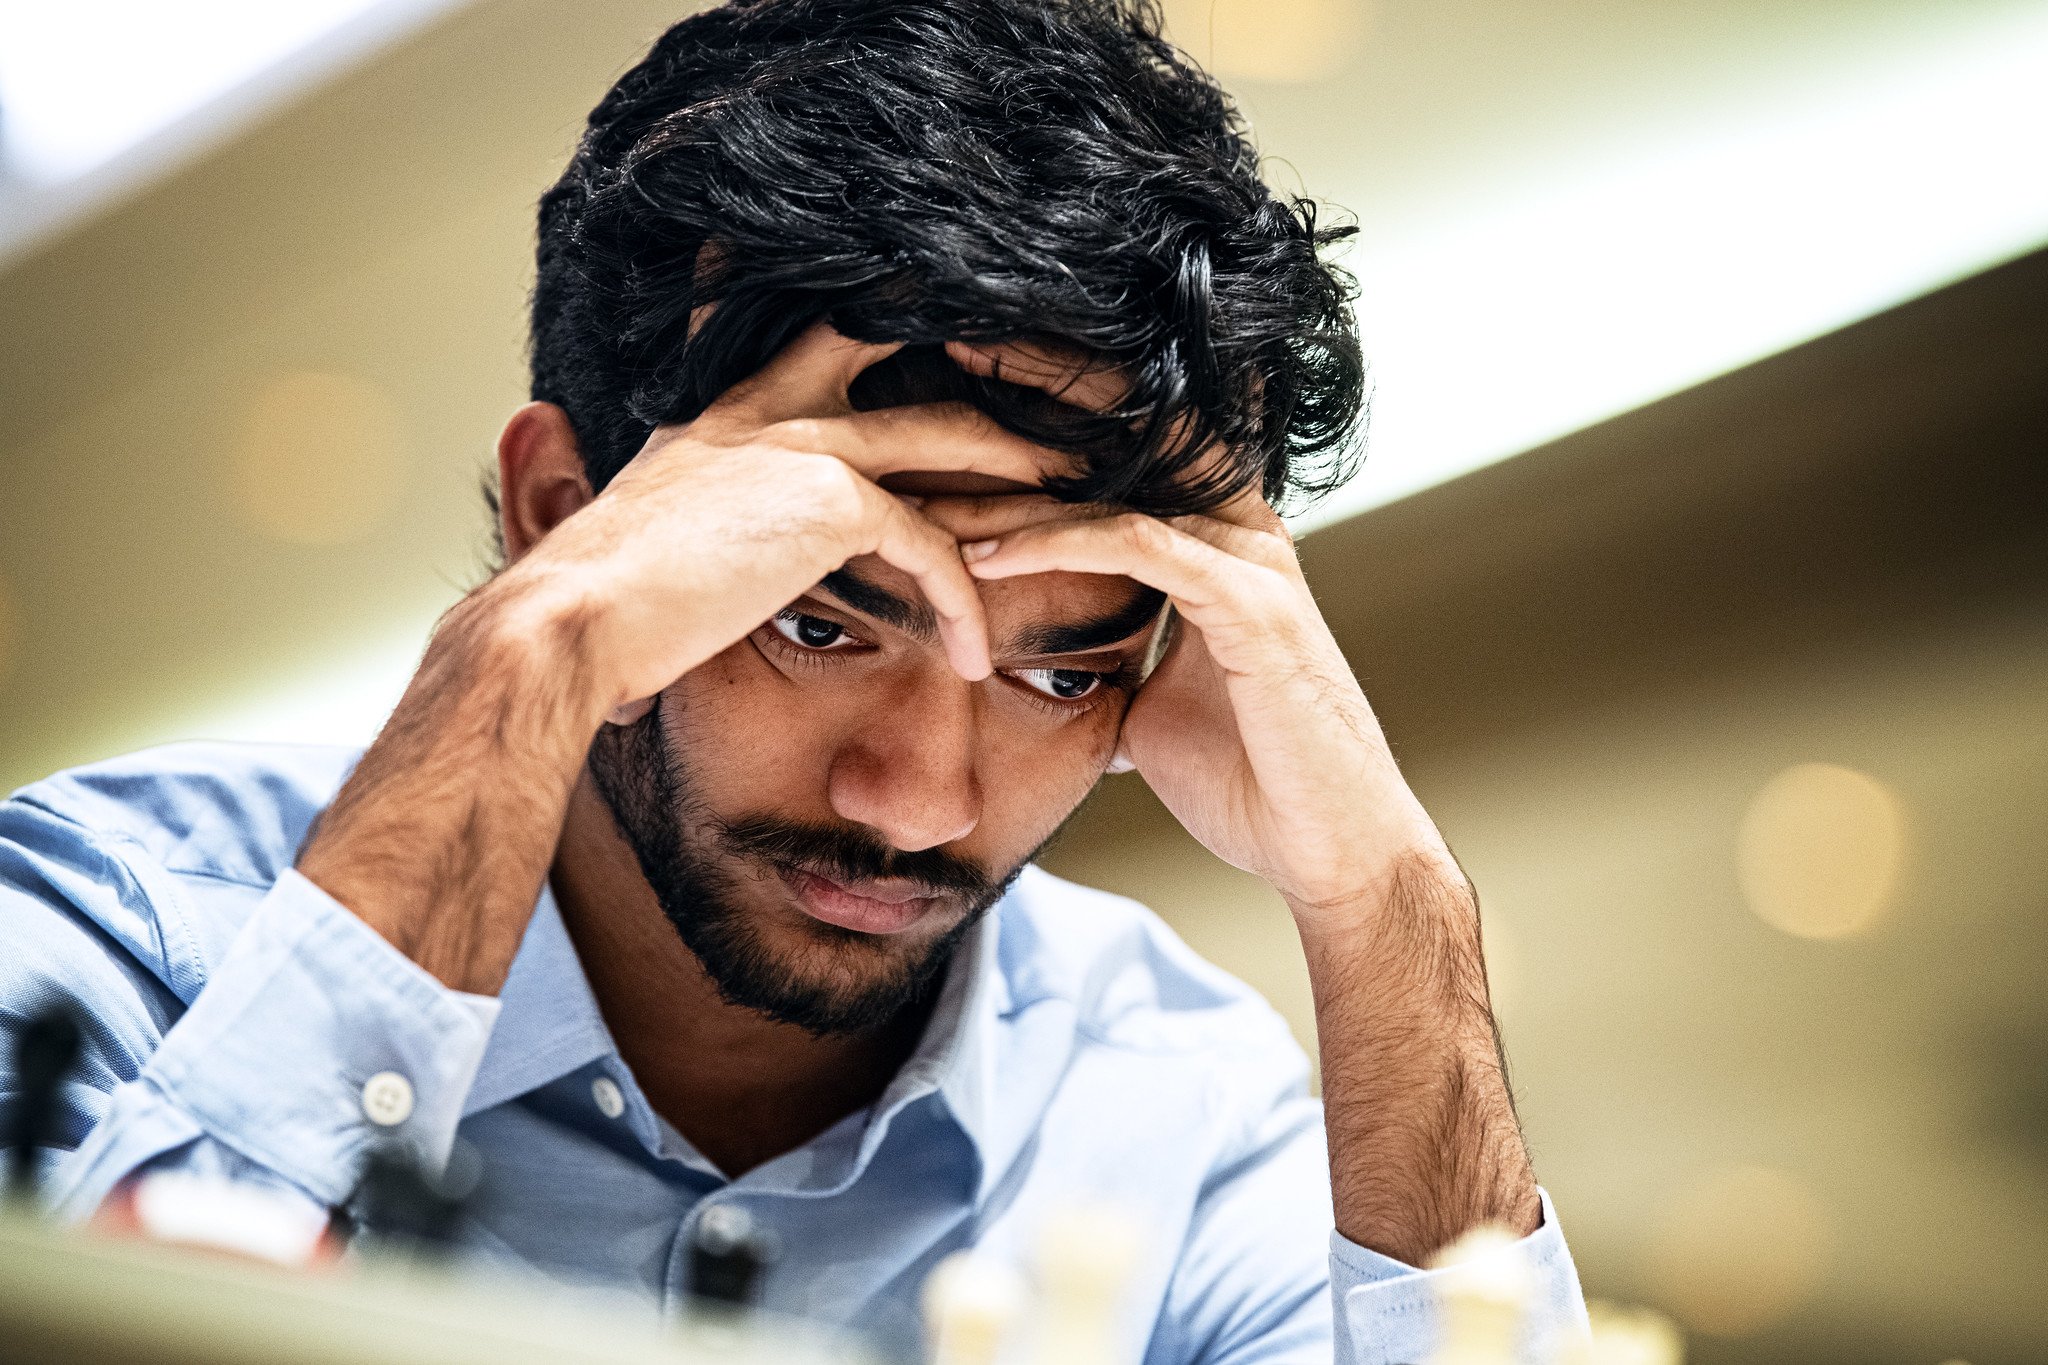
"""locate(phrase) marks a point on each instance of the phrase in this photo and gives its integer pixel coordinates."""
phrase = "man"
(913, 383)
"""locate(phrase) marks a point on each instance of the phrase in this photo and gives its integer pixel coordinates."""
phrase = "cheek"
(753, 740)
(1016, 736)
(1034, 773)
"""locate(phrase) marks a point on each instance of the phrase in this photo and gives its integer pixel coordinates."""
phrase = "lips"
(876, 908)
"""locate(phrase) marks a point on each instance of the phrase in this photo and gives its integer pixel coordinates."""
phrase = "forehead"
(1014, 604)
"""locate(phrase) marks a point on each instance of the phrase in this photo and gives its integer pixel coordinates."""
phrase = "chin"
(827, 979)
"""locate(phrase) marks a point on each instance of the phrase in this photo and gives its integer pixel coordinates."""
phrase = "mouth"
(865, 907)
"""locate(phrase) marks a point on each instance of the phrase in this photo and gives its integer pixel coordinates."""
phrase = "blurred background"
(1699, 569)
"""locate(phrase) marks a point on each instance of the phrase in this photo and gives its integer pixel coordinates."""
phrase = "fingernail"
(978, 549)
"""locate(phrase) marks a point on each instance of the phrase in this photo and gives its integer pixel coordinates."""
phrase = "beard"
(840, 981)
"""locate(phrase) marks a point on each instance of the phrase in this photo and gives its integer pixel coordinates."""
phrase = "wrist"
(1411, 872)
(441, 837)
(1407, 951)
(532, 633)
(1422, 1131)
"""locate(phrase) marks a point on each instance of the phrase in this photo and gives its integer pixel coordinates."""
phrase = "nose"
(908, 773)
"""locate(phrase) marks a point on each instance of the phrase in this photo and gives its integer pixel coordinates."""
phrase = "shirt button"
(610, 1101)
(387, 1099)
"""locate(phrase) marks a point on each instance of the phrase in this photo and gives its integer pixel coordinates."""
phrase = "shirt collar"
(956, 1057)
(549, 1025)
(548, 1020)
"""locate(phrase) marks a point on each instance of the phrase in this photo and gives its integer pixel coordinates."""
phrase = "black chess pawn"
(727, 1255)
(402, 1205)
(46, 1049)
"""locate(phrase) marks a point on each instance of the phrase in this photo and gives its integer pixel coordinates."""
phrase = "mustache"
(852, 855)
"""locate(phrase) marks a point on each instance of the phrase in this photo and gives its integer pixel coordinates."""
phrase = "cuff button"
(387, 1099)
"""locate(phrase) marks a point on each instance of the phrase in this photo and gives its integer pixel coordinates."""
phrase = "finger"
(949, 437)
(1067, 375)
(978, 518)
(1073, 377)
(1254, 621)
(1203, 581)
(1216, 466)
(1250, 509)
(930, 555)
(625, 713)
(1273, 548)
(809, 376)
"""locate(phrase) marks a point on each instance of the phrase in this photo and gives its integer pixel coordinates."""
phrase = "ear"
(540, 475)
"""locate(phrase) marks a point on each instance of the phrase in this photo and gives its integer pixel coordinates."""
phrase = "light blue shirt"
(1079, 1053)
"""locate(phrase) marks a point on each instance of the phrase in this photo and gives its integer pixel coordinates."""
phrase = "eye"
(1062, 684)
(809, 632)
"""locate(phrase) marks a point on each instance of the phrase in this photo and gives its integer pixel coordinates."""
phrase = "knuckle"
(797, 433)
(1144, 534)
(1266, 583)
(936, 540)
(1244, 589)
(1266, 590)
(1275, 550)
(834, 484)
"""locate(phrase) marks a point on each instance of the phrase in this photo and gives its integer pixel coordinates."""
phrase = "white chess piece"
(1627, 1336)
(1086, 1258)
(1482, 1292)
(972, 1305)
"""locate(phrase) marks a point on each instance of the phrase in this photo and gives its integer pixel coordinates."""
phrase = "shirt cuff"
(315, 1040)
(1386, 1310)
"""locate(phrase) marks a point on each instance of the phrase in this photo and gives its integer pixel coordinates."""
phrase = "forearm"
(443, 834)
(1423, 1138)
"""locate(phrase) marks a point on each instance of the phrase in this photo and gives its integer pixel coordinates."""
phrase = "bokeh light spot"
(1738, 1250)
(318, 459)
(1820, 850)
(7, 632)
(1503, 958)
(1624, 1334)
(1295, 42)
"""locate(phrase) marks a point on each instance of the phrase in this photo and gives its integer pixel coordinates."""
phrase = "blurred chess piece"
(404, 1208)
(45, 1048)
(972, 1305)
(728, 1252)
(1626, 1336)
(1482, 1291)
(213, 1214)
(1086, 1260)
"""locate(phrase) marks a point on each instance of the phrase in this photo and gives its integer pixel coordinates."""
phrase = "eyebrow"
(1081, 636)
(918, 621)
(914, 619)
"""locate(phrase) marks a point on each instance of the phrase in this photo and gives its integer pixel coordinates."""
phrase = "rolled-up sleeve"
(1386, 1310)
(311, 1040)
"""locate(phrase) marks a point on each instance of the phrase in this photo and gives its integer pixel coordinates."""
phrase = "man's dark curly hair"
(927, 170)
